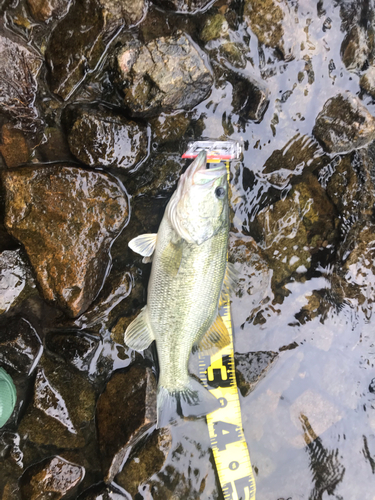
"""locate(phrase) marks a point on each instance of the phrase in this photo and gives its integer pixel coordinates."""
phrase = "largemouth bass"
(188, 277)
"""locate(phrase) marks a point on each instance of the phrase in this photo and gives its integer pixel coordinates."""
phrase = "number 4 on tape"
(228, 442)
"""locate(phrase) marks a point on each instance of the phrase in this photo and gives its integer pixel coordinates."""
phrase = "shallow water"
(310, 423)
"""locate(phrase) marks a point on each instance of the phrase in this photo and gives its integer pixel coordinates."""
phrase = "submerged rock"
(146, 462)
(85, 34)
(66, 218)
(367, 81)
(46, 10)
(16, 281)
(250, 98)
(183, 6)
(169, 128)
(19, 67)
(8, 396)
(103, 138)
(166, 74)
(126, 412)
(344, 124)
(20, 346)
(52, 478)
(354, 48)
(63, 405)
(291, 230)
(251, 367)
(13, 149)
(267, 19)
(78, 349)
(102, 492)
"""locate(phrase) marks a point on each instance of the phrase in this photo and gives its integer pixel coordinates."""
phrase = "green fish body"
(8, 397)
(187, 279)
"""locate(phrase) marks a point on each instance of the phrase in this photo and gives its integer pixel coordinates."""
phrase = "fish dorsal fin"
(229, 283)
(139, 334)
(144, 244)
(215, 338)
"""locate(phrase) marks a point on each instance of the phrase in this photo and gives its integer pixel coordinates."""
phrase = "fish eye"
(220, 192)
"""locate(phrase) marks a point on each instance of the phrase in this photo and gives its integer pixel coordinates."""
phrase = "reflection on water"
(302, 238)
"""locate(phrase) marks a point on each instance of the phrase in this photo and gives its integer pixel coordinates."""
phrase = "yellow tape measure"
(228, 442)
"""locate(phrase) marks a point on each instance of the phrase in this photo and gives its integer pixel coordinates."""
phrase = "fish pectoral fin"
(216, 337)
(139, 334)
(144, 244)
(229, 283)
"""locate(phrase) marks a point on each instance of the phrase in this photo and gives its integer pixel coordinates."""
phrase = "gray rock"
(16, 281)
(20, 346)
(183, 6)
(344, 124)
(19, 67)
(103, 138)
(166, 74)
(82, 38)
(52, 478)
(46, 10)
(126, 412)
(251, 368)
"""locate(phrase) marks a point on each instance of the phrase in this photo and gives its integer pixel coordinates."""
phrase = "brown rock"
(63, 404)
(50, 479)
(147, 462)
(13, 148)
(126, 411)
(66, 218)
(44, 10)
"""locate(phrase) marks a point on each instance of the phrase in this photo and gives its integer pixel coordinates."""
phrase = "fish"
(8, 397)
(189, 281)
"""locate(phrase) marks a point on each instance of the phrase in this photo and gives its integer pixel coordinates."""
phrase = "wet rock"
(183, 6)
(159, 175)
(77, 348)
(367, 81)
(371, 387)
(8, 396)
(146, 462)
(251, 368)
(250, 98)
(169, 128)
(291, 230)
(45, 10)
(104, 138)
(215, 27)
(320, 413)
(101, 492)
(13, 149)
(19, 67)
(115, 290)
(20, 346)
(301, 154)
(165, 74)
(52, 478)
(66, 218)
(16, 281)
(126, 412)
(355, 48)
(85, 33)
(63, 405)
(267, 19)
(344, 124)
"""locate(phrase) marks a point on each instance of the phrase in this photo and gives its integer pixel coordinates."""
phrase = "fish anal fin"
(229, 283)
(216, 338)
(139, 334)
(144, 244)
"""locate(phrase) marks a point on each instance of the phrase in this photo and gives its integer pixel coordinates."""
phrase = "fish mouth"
(199, 173)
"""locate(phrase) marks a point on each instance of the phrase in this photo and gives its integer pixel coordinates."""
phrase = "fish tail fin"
(191, 401)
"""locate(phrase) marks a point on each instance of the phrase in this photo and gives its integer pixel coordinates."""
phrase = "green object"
(8, 397)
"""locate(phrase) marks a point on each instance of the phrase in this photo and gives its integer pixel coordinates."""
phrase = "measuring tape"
(228, 442)
(231, 454)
